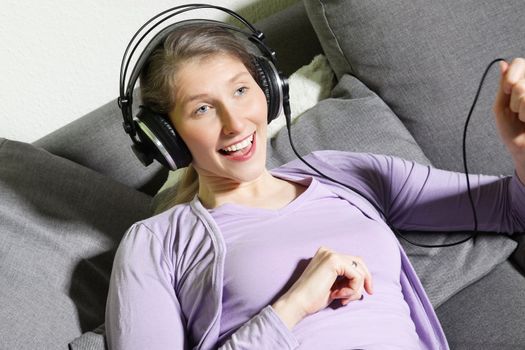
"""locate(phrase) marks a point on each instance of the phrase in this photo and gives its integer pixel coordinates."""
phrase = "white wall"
(60, 59)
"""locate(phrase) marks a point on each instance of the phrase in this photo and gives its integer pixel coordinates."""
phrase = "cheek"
(194, 136)
(198, 140)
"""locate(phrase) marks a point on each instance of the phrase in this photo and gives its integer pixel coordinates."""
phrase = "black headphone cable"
(399, 234)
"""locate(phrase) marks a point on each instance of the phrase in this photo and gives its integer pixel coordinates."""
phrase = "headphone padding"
(164, 133)
(268, 79)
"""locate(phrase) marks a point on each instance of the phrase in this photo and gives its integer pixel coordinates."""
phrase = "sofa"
(406, 73)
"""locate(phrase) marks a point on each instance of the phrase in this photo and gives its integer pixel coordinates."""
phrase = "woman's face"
(220, 113)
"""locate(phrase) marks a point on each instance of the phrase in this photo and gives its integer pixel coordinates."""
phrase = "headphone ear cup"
(160, 140)
(271, 83)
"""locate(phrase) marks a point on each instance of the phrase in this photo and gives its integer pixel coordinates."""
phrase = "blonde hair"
(183, 191)
(158, 79)
(190, 42)
(188, 186)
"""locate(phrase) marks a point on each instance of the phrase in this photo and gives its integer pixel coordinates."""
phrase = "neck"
(266, 191)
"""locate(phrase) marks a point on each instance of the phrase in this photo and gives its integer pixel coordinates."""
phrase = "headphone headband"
(152, 134)
(125, 99)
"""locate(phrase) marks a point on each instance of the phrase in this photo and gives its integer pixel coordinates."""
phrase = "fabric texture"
(285, 239)
(425, 59)
(98, 142)
(291, 36)
(492, 309)
(61, 223)
(307, 86)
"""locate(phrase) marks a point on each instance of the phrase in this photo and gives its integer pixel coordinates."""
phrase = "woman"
(285, 259)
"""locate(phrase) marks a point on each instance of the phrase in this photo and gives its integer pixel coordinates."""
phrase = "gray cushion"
(286, 32)
(98, 141)
(352, 119)
(356, 119)
(425, 60)
(59, 226)
(491, 312)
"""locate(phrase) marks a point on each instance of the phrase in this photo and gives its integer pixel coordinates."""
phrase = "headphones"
(152, 134)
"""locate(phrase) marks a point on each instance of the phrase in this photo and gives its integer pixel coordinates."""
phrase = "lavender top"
(267, 250)
(170, 271)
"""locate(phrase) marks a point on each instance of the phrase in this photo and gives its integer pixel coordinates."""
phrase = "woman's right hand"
(328, 276)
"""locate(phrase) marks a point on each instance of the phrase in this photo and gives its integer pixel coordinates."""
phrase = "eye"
(202, 109)
(241, 91)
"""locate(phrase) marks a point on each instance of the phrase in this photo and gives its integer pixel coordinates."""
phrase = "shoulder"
(334, 160)
(159, 223)
(176, 224)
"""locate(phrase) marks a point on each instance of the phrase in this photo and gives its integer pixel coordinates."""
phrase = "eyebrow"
(201, 96)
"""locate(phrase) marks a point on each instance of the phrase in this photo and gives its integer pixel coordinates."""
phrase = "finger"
(502, 98)
(368, 285)
(515, 72)
(345, 301)
(343, 293)
(522, 110)
(517, 96)
(340, 288)
(502, 93)
(356, 285)
(351, 286)
(503, 66)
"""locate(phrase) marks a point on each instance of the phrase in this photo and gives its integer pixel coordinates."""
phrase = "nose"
(232, 121)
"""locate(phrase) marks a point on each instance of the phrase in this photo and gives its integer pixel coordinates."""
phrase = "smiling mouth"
(238, 148)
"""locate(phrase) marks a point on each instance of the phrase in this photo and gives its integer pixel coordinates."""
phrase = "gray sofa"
(406, 72)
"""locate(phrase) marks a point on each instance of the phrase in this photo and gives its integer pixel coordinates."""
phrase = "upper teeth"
(244, 143)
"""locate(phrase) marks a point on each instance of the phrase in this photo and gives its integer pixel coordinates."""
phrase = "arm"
(422, 198)
(499, 202)
(425, 198)
(142, 310)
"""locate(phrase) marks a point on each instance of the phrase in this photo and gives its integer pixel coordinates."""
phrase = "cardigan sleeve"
(263, 331)
(142, 310)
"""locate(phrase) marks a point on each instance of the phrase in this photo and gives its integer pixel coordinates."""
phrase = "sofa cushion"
(59, 226)
(425, 59)
(98, 141)
(487, 319)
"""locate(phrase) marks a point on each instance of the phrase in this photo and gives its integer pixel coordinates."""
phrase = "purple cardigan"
(166, 284)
